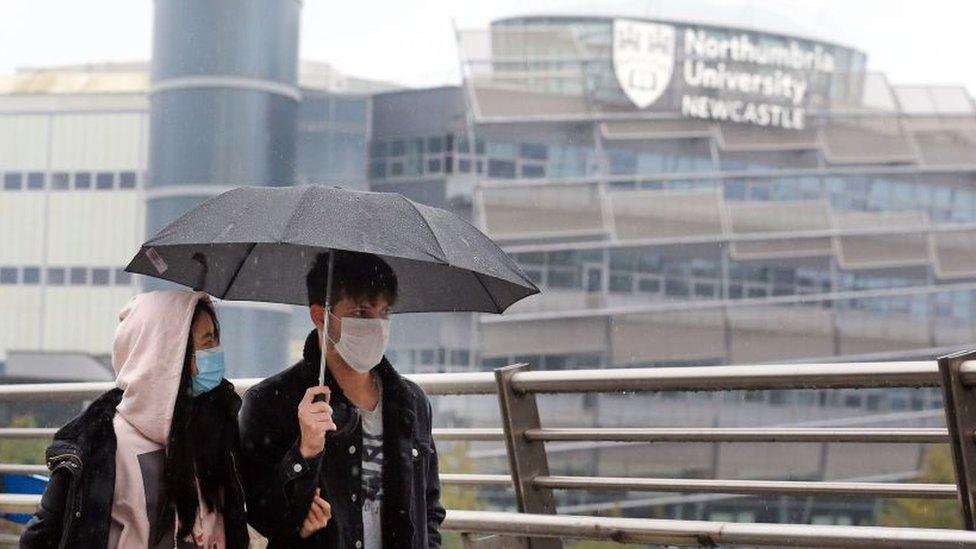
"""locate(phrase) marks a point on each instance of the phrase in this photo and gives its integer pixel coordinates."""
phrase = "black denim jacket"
(279, 483)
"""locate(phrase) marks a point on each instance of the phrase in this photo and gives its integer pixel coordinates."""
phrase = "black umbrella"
(258, 243)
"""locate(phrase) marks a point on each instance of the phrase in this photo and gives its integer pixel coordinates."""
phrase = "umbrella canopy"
(258, 244)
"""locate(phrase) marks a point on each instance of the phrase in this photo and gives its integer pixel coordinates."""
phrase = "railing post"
(527, 459)
(960, 411)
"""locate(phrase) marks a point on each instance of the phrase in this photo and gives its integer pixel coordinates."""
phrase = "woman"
(153, 462)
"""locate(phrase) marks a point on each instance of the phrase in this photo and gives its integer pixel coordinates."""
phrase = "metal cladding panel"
(535, 211)
(562, 336)
(866, 139)
(878, 251)
(654, 129)
(744, 137)
(94, 227)
(678, 460)
(109, 142)
(768, 460)
(767, 334)
(864, 460)
(686, 335)
(83, 318)
(558, 299)
(21, 238)
(494, 99)
(951, 331)
(663, 214)
(955, 254)
(946, 147)
(863, 332)
(20, 318)
(776, 217)
(23, 142)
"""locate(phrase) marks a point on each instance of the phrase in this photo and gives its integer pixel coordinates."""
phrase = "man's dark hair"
(355, 275)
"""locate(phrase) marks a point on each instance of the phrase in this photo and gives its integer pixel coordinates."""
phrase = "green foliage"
(924, 513)
(23, 451)
(457, 497)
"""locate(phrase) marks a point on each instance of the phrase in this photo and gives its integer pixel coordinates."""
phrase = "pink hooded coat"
(148, 353)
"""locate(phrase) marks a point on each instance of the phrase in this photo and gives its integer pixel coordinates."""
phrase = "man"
(379, 484)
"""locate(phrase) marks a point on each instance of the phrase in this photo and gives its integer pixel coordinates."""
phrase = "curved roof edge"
(679, 21)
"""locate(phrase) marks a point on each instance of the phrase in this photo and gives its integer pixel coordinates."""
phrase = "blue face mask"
(210, 370)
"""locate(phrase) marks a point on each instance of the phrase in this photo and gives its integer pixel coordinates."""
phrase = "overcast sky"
(411, 42)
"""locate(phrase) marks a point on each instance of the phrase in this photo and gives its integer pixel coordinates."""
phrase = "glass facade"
(332, 135)
(662, 240)
(223, 114)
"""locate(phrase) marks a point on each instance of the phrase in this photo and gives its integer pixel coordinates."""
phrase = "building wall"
(71, 213)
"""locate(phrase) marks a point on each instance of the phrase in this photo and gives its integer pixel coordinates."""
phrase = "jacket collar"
(396, 395)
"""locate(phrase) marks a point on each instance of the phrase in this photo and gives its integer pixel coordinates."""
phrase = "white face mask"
(362, 342)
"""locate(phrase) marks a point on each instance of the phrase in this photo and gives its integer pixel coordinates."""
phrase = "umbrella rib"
(477, 277)
(294, 214)
(237, 271)
(437, 241)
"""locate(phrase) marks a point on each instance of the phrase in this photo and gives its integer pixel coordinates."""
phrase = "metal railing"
(537, 523)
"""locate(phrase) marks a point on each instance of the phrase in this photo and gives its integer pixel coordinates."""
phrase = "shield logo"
(643, 59)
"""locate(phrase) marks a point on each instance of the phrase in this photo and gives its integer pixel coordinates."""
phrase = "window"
(8, 275)
(397, 148)
(621, 283)
(12, 181)
(464, 165)
(35, 181)
(55, 276)
(649, 285)
(122, 278)
(127, 180)
(100, 277)
(533, 151)
(32, 275)
(435, 145)
(104, 180)
(563, 278)
(501, 168)
(60, 181)
(79, 275)
(426, 357)
(377, 169)
(533, 171)
(377, 149)
(82, 180)
(434, 165)
(396, 169)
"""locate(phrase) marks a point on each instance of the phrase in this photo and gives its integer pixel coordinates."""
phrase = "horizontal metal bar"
(26, 432)
(473, 383)
(967, 373)
(460, 479)
(19, 503)
(752, 487)
(721, 434)
(18, 469)
(468, 383)
(702, 533)
(483, 435)
(720, 378)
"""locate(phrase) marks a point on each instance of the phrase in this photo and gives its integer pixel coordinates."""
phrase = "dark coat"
(76, 508)
(280, 483)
